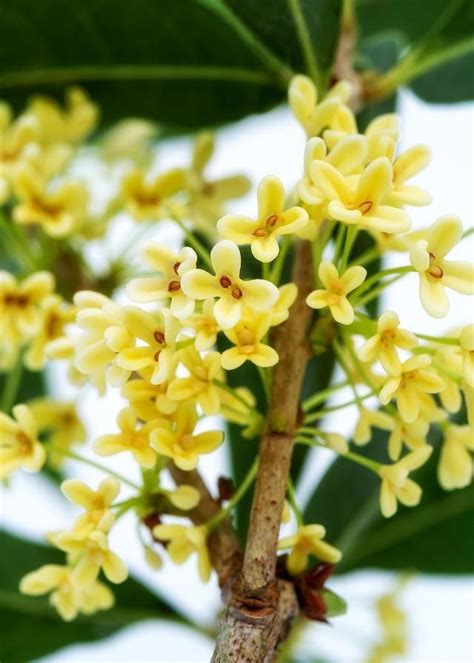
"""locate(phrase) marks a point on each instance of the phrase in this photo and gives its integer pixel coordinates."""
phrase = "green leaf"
(439, 39)
(335, 604)
(31, 385)
(184, 64)
(450, 82)
(435, 537)
(30, 627)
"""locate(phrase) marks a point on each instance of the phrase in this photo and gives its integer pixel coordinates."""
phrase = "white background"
(440, 610)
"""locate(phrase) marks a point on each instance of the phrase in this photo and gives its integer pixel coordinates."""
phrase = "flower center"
(366, 206)
(24, 444)
(388, 338)
(435, 270)
(174, 286)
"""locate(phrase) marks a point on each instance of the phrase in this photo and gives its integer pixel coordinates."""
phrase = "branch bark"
(261, 607)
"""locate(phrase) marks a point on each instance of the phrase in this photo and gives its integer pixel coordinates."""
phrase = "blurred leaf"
(30, 628)
(185, 64)
(335, 604)
(439, 34)
(450, 82)
(31, 385)
(435, 537)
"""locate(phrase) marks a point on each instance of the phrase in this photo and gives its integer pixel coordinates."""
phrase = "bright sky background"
(441, 610)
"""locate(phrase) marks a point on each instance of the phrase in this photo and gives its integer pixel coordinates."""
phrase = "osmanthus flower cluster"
(193, 316)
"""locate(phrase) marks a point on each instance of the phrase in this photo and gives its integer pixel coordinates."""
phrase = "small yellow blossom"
(95, 502)
(183, 541)
(272, 221)
(416, 378)
(412, 435)
(70, 125)
(61, 424)
(55, 315)
(308, 541)
(89, 553)
(347, 157)
(436, 273)
(20, 312)
(336, 289)
(367, 420)
(455, 467)
(148, 199)
(181, 443)
(18, 138)
(207, 197)
(303, 101)
(395, 482)
(67, 595)
(167, 286)
(247, 339)
(232, 292)
(19, 445)
(335, 441)
(104, 336)
(148, 400)
(158, 333)
(132, 437)
(382, 346)
(407, 165)
(466, 341)
(152, 558)
(363, 204)
(199, 385)
(59, 212)
(204, 325)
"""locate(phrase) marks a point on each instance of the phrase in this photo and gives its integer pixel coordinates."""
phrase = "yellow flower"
(336, 289)
(412, 435)
(90, 553)
(158, 333)
(415, 379)
(207, 197)
(226, 284)
(382, 346)
(382, 132)
(183, 541)
(199, 385)
(148, 199)
(455, 467)
(450, 357)
(17, 140)
(308, 541)
(95, 502)
(59, 212)
(148, 400)
(70, 125)
(437, 273)
(347, 156)
(55, 315)
(19, 445)
(407, 165)
(171, 267)
(466, 341)
(247, 339)
(367, 420)
(204, 325)
(314, 116)
(272, 221)
(181, 443)
(132, 437)
(362, 204)
(104, 336)
(395, 482)
(20, 313)
(67, 596)
(60, 422)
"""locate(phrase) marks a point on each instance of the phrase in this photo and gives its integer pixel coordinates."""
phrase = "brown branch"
(224, 547)
(261, 608)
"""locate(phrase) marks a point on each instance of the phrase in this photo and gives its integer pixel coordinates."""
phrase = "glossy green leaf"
(449, 82)
(435, 537)
(30, 628)
(184, 64)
